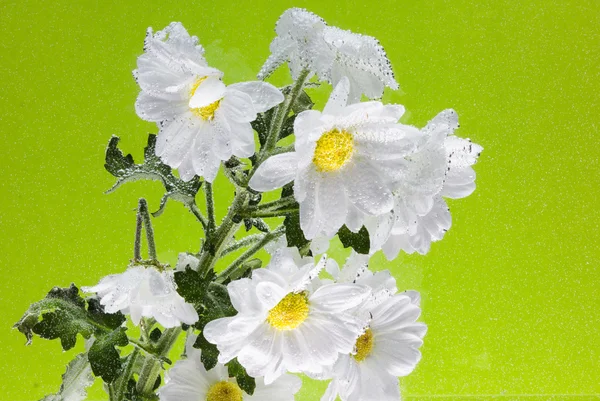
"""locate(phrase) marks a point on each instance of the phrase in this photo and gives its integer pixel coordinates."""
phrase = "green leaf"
(210, 353)
(293, 232)
(124, 168)
(303, 102)
(63, 314)
(359, 241)
(216, 304)
(245, 381)
(192, 286)
(261, 125)
(76, 379)
(104, 359)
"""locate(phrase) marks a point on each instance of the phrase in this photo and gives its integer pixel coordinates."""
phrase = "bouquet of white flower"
(352, 170)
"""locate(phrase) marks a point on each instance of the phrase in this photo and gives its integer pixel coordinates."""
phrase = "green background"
(512, 293)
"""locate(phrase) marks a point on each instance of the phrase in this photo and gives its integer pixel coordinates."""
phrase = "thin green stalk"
(249, 240)
(196, 212)
(143, 211)
(271, 213)
(119, 391)
(281, 113)
(215, 244)
(250, 252)
(284, 109)
(151, 367)
(283, 149)
(210, 207)
(137, 245)
(287, 201)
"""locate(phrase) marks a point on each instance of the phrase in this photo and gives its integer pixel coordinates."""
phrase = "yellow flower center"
(206, 112)
(364, 346)
(333, 150)
(290, 312)
(224, 391)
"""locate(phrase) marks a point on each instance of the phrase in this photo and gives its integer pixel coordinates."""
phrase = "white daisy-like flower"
(388, 347)
(188, 380)
(145, 291)
(201, 120)
(288, 319)
(440, 168)
(300, 42)
(306, 42)
(362, 59)
(344, 162)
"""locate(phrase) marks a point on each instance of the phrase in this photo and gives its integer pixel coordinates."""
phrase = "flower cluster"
(352, 170)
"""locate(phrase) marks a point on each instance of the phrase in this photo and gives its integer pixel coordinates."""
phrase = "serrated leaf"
(210, 353)
(125, 169)
(244, 380)
(359, 241)
(104, 359)
(192, 285)
(76, 379)
(216, 304)
(293, 232)
(63, 314)
(261, 125)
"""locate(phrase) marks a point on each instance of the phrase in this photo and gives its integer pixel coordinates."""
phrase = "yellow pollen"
(224, 391)
(333, 150)
(206, 112)
(364, 346)
(290, 312)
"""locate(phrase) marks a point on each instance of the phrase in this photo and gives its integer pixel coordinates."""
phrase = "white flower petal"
(366, 191)
(338, 98)
(209, 91)
(274, 172)
(264, 95)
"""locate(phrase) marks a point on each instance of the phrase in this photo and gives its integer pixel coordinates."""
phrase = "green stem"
(249, 252)
(121, 384)
(143, 211)
(210, 207)
(287, 201)
(283, 149)
(271, 213)
(249, 240)
(280, 115)
(151, 367)
(196, 212)
(284, 109)
(214, 244)
(137, 245)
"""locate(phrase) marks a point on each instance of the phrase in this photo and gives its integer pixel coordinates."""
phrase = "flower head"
(344, 163)
(389, 345)
(188, 380)
(201, 120)
(288, 320)
(145, 291)
(305, 41)
(441, 167)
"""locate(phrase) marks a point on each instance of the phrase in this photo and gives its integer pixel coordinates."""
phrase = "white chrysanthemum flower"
(306, 42)
(388, 347)
(440, 168)
(288, 320)
(300, 42)
(144, 291)
(344, 162)
(188, 380)
(202, 121)
(360, 58)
